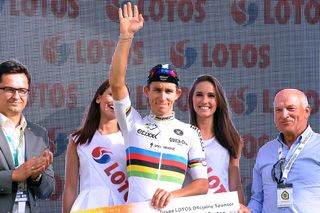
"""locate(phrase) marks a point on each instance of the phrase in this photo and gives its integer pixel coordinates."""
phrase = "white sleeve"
(125, 114)
(196, 159)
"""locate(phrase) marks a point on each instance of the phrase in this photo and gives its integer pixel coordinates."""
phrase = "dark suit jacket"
(36, 140)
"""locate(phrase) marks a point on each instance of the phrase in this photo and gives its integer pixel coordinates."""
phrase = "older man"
(286, 176)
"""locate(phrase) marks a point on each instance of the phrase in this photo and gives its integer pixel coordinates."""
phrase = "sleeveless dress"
(102, 172)
(217, 158)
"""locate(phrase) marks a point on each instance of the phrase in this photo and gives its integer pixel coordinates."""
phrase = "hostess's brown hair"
(223, 128)
(85, 133)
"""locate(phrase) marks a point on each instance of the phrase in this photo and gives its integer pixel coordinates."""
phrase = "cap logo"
(164, 73)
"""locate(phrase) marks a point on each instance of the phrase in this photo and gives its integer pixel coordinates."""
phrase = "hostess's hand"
(244, 209)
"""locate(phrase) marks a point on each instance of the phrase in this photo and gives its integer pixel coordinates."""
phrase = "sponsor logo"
(297, 12)
(235, 55)
(151, 126)
(147, 134)
(162, 10)
(55, 51)
(93, 51)
(59, 9)
(242, 102)
(199, 135)
(178, 141)
(285, 195)
(178, 132)
(215, 185)
(101, 155)
(152, 145)
(282, 12)
(181, 56)
(169, 148)
(194, 127)
(244, 14)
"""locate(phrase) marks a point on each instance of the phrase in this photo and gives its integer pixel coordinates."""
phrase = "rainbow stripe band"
(196, 162)
(128, 110)
(145, 163)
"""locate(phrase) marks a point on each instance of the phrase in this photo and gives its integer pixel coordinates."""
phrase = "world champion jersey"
(158, 151)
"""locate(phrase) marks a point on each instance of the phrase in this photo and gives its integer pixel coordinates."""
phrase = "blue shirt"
(304, 175)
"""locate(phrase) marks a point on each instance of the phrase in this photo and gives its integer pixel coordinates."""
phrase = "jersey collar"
(162, 118)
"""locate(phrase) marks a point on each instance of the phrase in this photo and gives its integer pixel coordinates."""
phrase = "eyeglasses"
(277, 171)
(159, 71)
(10, 90)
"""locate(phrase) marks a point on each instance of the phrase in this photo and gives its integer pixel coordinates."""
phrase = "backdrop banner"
(220, 202)
(254, 48)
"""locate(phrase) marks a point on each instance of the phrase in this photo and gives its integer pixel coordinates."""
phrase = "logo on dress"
(101, 155)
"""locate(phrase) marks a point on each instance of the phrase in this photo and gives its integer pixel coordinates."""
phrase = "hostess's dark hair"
(223, 128)
(85, 133)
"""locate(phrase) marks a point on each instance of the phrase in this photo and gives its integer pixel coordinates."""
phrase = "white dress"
(217, 158)
(102, 172)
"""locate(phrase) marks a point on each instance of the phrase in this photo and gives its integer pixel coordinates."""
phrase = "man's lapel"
(29, 142)
(4, 147)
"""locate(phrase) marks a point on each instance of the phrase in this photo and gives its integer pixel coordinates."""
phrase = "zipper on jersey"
(160, 162)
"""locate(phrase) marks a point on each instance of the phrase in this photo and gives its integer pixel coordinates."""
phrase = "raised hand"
(130, 23)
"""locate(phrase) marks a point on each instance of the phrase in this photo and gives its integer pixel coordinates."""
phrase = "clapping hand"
(33, 167)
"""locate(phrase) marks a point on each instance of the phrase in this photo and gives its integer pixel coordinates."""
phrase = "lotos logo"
(56, 52)
(100, 155)
(241, 103)
(181, 56)
(243, 16)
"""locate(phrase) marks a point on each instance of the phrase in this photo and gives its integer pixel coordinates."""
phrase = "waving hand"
(130, 22)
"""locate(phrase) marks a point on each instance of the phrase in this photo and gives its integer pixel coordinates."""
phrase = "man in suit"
(26, 172)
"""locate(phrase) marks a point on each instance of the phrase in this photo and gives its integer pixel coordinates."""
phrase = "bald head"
(293, 92)
(291, 113)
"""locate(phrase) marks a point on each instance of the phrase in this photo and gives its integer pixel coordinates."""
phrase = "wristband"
(126, 36)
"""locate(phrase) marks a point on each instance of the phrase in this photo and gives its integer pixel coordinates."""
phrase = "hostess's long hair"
(223, 128)
(91, 119)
